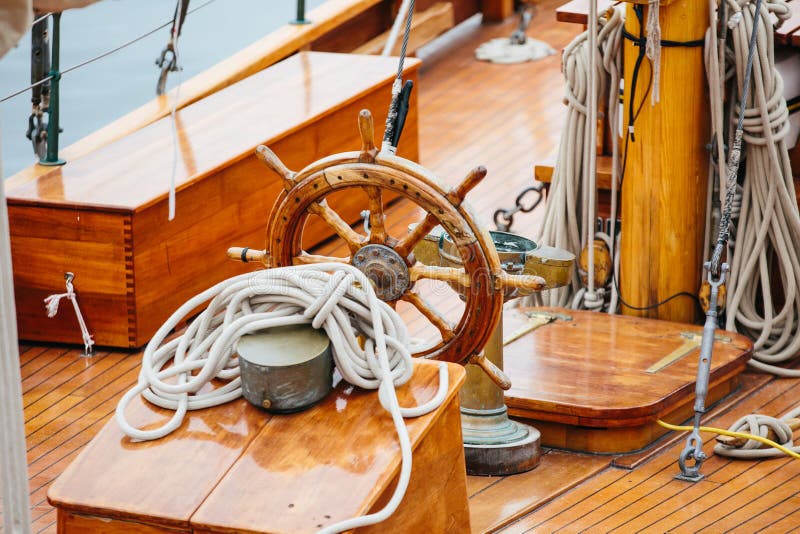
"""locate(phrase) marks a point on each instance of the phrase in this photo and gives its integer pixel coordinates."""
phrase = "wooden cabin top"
(134, 172)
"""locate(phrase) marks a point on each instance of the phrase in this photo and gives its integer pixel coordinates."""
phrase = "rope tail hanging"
(653, 48)
(51, 304)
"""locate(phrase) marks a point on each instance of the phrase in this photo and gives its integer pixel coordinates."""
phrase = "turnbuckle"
(692, 456)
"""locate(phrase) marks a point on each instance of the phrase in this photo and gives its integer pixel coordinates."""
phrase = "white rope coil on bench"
(335, 297)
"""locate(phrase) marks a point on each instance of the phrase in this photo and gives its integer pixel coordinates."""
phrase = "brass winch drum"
(287, 368)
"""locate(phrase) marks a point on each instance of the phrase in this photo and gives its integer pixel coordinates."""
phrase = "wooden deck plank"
(513, 496)
(39, 362)
(738, 511)
(765, 520)
(649, 497)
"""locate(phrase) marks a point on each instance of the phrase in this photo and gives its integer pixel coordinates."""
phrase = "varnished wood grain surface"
(498, 501)
(133, 172)
(300, 463)
(132, 266)
(577, 11)
(735, 496)
(160, 482)
(665, 182)
(292, 466)
(591, 371)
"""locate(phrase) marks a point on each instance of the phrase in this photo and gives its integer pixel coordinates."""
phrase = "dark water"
(109, 88)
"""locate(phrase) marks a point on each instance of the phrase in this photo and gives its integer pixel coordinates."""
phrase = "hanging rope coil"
(768, 239)
(335, 297)
(566, 221)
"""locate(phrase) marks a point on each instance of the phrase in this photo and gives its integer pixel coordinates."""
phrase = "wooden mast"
(665, 182)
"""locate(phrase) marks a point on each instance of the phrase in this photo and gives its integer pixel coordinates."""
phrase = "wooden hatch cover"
(598, 382)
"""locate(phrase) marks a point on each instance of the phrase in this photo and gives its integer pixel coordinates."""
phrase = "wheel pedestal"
(494, 445)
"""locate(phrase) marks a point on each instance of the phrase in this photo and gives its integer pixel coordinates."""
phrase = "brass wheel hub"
(385, 268)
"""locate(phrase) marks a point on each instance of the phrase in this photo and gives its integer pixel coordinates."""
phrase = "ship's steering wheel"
(390, 262)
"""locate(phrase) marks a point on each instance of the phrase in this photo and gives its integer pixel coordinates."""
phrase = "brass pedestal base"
(494, 445)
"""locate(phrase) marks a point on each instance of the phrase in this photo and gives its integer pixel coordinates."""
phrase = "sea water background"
(111, 87)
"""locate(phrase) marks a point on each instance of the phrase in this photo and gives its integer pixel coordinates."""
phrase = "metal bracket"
(536, 320)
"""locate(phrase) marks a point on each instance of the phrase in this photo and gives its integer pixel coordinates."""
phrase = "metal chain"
(504, 218)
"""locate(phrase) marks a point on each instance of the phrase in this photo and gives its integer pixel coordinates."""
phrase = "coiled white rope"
(566, 223)
(335, 297)
(760, 425)
(768, 226)
(768, 237)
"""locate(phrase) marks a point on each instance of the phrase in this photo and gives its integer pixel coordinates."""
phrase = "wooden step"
(543, 172)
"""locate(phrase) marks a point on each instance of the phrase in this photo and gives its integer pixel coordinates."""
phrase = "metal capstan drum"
(286, 368)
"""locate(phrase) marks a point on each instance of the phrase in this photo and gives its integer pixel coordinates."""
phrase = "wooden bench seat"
(104, 216)
(236, 468)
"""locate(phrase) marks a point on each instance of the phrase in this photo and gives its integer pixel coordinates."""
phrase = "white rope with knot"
(52, 302)
(566, 222)
(335, 297)
(761, 425)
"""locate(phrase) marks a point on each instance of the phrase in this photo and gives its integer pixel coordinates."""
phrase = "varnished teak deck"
(468, 114)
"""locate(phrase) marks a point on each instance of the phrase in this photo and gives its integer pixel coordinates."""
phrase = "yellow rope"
(733, 435)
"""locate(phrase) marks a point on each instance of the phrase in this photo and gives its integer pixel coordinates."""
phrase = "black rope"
(391, 118)
(641, 42)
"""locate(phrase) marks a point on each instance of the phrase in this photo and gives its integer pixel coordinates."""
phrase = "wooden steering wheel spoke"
(274, 162)
(471, 268)
(377, 226)
(367, 130)
(442, 274)
(308, 259)
(353, 239)
(406, 245)
(430, 313)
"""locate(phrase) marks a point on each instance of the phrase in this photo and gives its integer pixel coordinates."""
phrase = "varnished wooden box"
(104, 216)
(234, 468)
